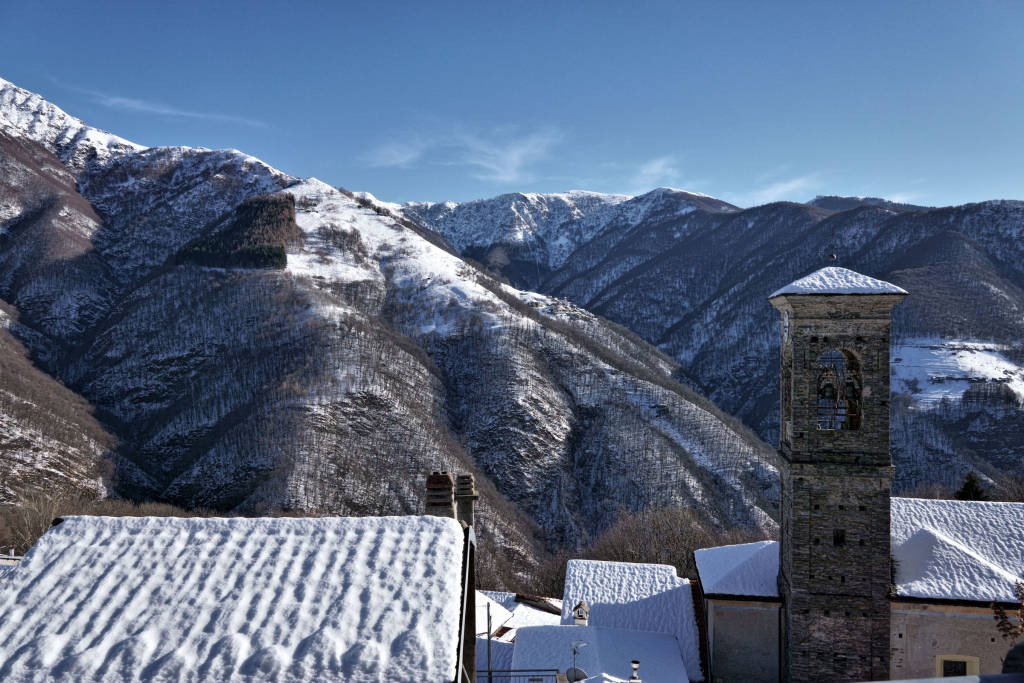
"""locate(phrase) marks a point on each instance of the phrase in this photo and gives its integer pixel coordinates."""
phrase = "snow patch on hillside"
(437, 280)
(931, 369)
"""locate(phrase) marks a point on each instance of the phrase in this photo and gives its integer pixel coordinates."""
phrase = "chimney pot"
(440, 498)
(466, 496)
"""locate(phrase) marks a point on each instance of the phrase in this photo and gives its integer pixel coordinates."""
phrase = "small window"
(952, 667)
(839, 537)
(956, 665)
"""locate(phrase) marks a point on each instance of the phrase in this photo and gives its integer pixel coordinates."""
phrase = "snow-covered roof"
(836, 280)
(501, 655)
(638, 597)
(944, 550)
(510, 611)
(525, 615)
(748, 569)
(283, 599)
(957, 549)
(499, 615)
(607, 651)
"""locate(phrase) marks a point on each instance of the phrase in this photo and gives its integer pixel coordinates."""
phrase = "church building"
(827, 601)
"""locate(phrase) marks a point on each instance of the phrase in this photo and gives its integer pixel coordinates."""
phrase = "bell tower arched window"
(839, 391)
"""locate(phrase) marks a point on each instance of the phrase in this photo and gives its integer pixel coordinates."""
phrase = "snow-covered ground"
(931, 370)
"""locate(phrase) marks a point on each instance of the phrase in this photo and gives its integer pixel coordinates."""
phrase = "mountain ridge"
(332, 381)
(692, 282)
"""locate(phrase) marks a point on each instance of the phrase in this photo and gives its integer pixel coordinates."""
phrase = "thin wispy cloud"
(134, 104)
(791, 189)
(502, 155)
(506, 161)
(396, 154)
(654, 173)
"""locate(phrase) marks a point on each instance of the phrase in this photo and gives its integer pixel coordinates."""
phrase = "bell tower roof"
(836, 280)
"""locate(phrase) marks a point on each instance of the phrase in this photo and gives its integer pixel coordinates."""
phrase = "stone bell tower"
(834, 571)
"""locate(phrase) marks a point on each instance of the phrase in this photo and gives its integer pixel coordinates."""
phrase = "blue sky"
(750, 102)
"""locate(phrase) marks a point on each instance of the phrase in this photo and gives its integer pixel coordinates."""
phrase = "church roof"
(282, 599)
(957, 549)
(944, 550)
(836, 280)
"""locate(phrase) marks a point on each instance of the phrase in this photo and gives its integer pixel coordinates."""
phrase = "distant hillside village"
(860, 585)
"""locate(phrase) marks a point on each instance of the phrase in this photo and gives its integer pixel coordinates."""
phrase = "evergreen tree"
(971, 489)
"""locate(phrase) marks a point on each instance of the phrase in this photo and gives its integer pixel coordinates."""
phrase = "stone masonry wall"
(835, 568)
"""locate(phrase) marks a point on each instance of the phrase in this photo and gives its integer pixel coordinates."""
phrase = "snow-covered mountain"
(256, 341)
(693, 280)
(527, 236)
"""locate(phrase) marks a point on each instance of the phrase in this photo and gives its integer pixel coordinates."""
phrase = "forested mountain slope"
(255, 341)
(693, 280)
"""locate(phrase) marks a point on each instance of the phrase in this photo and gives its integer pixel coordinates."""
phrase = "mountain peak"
(28, 114)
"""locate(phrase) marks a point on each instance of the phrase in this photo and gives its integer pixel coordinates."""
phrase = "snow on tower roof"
(747, 569)
(608, 651)
(836, 280)
(638, 597)
(944, 550)
(283, 599)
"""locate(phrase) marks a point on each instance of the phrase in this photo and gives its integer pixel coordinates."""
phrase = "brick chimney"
(440, 499)
(465, 498)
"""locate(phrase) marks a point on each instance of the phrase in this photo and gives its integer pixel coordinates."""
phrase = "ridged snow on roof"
(119, 599)
(637, 597)
(748, 569)
(944, 550)
(836, 280)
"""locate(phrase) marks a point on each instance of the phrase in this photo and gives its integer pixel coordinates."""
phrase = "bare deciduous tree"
(1011, 625)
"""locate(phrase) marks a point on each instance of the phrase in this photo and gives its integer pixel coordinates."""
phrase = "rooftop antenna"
(574, 674)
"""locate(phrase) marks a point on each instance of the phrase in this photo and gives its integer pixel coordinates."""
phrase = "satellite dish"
(576, 674)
